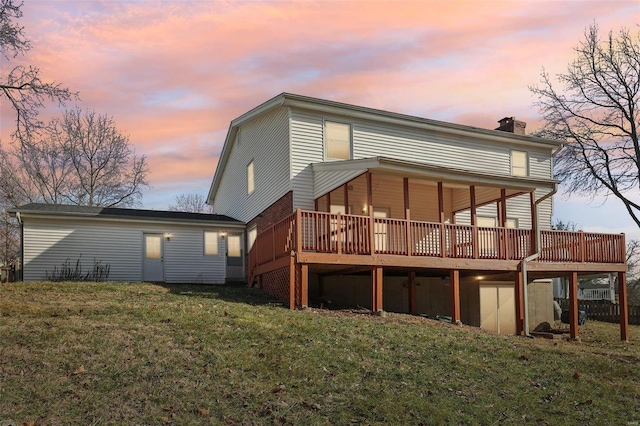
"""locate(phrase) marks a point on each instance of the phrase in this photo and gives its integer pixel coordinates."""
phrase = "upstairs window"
(250, 178)
(519, 163)
(337, 140)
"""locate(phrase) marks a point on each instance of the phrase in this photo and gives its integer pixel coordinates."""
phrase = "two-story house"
(400, 213)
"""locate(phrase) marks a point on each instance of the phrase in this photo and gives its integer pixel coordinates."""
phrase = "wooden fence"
(603, 310)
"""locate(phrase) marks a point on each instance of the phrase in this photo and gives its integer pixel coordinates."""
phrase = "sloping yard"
(146, 354)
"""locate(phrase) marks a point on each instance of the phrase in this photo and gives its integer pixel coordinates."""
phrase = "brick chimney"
(510, 124)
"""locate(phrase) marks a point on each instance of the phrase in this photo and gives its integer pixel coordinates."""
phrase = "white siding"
(517, 207)
(265, 140)
(48, 243)
(306, 148)
(371, 139)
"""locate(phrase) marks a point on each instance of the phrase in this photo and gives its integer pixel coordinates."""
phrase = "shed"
(136, 245)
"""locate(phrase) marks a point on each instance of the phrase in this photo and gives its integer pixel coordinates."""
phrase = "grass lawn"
(78, 353)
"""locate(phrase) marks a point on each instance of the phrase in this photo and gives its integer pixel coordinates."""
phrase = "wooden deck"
(319, 237)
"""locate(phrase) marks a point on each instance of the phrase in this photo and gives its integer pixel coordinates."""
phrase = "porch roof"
(332, 174)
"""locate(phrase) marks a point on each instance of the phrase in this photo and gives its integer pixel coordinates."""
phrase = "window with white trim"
(211, 243)
(337, 140)
(250, 178)
(519, 163)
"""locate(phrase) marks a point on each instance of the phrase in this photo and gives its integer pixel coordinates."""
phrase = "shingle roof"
(70, 210)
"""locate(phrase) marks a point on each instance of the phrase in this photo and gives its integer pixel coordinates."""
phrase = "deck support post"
(534, 222)
(376, 289)
(573, 305)
(474, 220)
(502, 210)
(455, 296)
(624, 308)
(372, 234)
(412, 293)
(520, 289)
(346, 199)
(443, 240)
(302, 275)
(407, 215)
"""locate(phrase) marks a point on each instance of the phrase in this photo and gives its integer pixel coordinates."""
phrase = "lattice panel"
(276, 283)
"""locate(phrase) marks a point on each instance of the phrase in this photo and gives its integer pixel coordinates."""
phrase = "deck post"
(532, 200)
(520, 289)
(346, 199)
(303, 277)
(292, 282)
(474, 221)
(573, 305)
(624, 307)
(412, 293)
(455, 296)
(372, 235)
(407, 215)
(443, 240)
(503, 208)
(376, 289)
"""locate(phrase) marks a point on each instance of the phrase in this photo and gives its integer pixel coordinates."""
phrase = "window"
(512, 223)
(486, 222)
(519, 163)
(252, 233)
(210, 243)
(250, 178)
(337, 137)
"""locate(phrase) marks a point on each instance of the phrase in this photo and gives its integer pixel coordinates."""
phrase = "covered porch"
(398, 218)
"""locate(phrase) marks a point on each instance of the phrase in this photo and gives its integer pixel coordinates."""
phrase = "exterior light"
(168, 236)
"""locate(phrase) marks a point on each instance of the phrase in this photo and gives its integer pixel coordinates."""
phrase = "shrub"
(99, 272)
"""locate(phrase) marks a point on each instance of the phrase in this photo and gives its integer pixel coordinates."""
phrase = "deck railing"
(322, 232)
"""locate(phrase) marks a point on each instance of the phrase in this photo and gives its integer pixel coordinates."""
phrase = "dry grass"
(145, 354)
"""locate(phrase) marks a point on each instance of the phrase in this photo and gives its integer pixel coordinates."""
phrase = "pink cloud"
(174, 74)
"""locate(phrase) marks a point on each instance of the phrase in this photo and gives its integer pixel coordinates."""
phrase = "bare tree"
(596, 115)
(21, 85)
(81, 158)
(194, 203)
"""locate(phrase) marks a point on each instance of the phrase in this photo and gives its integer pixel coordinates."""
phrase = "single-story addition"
(137, 245)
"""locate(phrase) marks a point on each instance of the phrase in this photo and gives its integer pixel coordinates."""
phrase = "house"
(136, 245)
(401, 213)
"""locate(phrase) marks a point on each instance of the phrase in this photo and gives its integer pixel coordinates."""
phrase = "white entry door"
(235, 258)
(153, 258)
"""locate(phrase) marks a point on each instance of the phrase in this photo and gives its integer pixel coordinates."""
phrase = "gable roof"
(355, 111)
(42, 209)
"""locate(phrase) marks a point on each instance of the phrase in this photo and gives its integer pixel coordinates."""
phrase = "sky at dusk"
(173, 74)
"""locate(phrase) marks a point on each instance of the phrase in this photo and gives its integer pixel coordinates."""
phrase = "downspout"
(523, 264)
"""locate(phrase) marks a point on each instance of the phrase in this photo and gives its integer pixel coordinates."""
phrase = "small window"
(211, 244)
(337, 140)
(519, 163)
(512, 223)
(250, 178)
(252, 234)
(485, 222)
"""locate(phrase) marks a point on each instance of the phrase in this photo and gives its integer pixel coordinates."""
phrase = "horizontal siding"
(266, 141)
(306, 148)
(47, 244)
